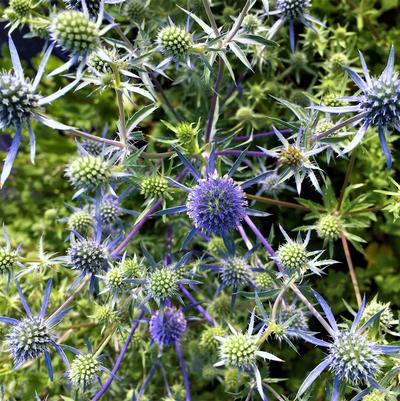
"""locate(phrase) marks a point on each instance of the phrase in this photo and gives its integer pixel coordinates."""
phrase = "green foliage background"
(33, 199)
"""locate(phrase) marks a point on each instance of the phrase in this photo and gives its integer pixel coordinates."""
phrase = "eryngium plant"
(190, 147)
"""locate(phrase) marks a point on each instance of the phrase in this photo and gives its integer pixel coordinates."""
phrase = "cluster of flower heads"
(209, 190)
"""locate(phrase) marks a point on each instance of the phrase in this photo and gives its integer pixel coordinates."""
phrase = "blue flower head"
(378, 104)
(167, 326)
(216, 205)
(34, 335)
(290, 11)
(351, 357)
(20, 101)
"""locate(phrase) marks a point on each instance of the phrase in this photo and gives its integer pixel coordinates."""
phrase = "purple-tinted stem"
(184, 371)
(265, 243)
(245, 237)
(205, 314)
(146, 382)
(121, 356)
(260, 135)
(136, 228)
(238, 152)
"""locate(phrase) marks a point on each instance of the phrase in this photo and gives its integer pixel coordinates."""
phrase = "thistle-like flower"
(216, 205)
(80, 221)
(351, 357)
(20, 101)
(9, 258)
(329, 227)
(168, 326)
(154, 187)
(378, 104)
(241, 350)
(295, 258)
(207, 338)
(34, 335)
(296, 160)
(290, 11)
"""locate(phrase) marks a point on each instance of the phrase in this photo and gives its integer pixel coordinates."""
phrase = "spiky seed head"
(251, 23)
(84, 371)
(385, 319)
(92, 5)
(293, 256)
(163, 283)
(239, 351)
(215, 245)
(220, 305)
(354, 359)
(337, 61)
(245, 114)
(88, 256)
(298, 59)
(272, 184)
(109, 211)
(186, 132)
(375, 395)
(235, 272)
(293, 9)
(29, 339)
(18, 100)
(175, 41)
(216, 205)
(134, 10)
(291, 157)
(382, 101)
(105, 313)
(263, 281)
(89, 172)
(298, 318)
(10, 14)
(154, 186)
(208, 340)
(21, 7)
(232, 379)
(116, 280)
(133, 268)
(80, 221)
(331, 99)
(329, 227)
(92, 147)
(75, 33)
(168, 326)
(101, 65)
(323, 125)
(8, 260)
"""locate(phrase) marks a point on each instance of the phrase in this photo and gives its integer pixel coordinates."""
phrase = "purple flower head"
(34, 335)
(216, 205)
(168, 326)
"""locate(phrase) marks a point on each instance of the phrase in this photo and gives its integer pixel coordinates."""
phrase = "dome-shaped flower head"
(162, 281)
(351, 357)
(378, 104)
(168, 326)
(291, 11)
(9, 258)
(20, 101)
(296, 159)
(34, 335)
(295, 258)
(241, 350)
(216, 204)
(91, 257)
(175, 42)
